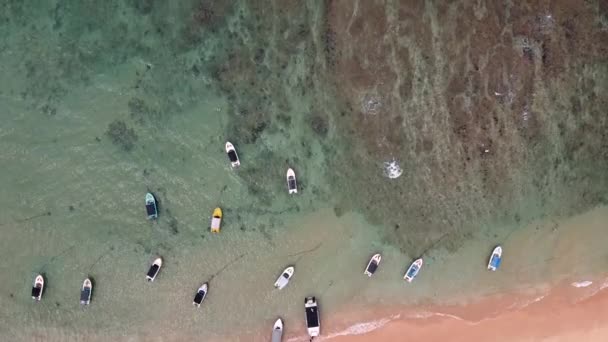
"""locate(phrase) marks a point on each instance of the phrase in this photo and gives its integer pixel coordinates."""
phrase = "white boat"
(495, 259)
(277, 331)
(153, 271)
(292, 185)
(38, 287)
(372, 266)
(413, 270)
(151, 208)
(85, 292)
(313, 324)
(201, 293)
(232, 155)
(283, 279)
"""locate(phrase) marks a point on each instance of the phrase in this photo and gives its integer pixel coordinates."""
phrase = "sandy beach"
(561, 315)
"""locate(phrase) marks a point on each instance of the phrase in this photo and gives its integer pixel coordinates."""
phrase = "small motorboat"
(232, 155)
(413, 270)
(372, 266)
(38, 287)
(151, 206)
(277, 331)
(216, 220)
(495, 259)
(313, 324)
(85, 292)
(283, 279)
(153, 271)
(292, 185)
(201, 293)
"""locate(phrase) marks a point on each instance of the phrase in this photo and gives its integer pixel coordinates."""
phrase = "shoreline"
(565, 313)
(562, 283)
(551, 277)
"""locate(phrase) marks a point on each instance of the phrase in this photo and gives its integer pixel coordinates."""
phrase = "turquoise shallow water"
(102, 102)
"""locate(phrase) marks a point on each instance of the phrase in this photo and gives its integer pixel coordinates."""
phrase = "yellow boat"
(216, 220)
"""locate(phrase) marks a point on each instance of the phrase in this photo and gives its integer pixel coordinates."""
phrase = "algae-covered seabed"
(494, 112)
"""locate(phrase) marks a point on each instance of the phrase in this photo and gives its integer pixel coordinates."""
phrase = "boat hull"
(372, 265)
(292, 184)
(495, 259)
(313, 321)
(284, 278)
(200, 296)
(413, 270)
(233, 156)
(38, 288)
(216, 220)
(277, 331)
(85, 292)
(151, 208)
(154, 269)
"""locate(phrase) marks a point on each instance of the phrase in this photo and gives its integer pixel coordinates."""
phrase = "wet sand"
(560, 316)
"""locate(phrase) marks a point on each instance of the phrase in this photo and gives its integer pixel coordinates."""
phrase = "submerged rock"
(121, 135)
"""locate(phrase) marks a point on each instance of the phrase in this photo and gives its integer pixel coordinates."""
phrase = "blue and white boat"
(495, 259)
(413, 270)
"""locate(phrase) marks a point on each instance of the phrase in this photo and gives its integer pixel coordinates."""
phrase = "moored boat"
(85, 292)
(277, 331)
(38, 287)
(232, 155)
(284, 278)
(201, 293)
(495, 259)
(313, 324)
(151, 208)
(413, 270)
(372, 265)
(292, 185)
(154, 268)
(216, 220)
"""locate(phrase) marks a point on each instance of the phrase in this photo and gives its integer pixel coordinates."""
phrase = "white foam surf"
(392, 169)
(355, 329)
(582, 283)
(363, 328)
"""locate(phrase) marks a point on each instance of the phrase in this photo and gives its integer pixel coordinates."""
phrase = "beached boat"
(372, 265)
(313, 324)
(413, 270)
(232, 155)
(495, 259)
(85, 292)
(292, 185)
(151, 208)
(153, 271)
(283, 279)
(38, 287)
(201, 293)
(216, 220)
(277, 331)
